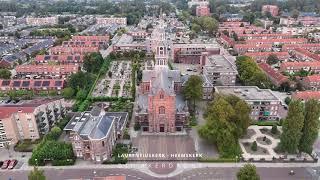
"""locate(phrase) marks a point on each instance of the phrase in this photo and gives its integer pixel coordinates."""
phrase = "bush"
(193, 121)
(137, 127)
(254, 146)
(54, 134)
(274, 129)
(266, 123)
(119, 150)
(218, 160)
(63, 122)
(66, 162)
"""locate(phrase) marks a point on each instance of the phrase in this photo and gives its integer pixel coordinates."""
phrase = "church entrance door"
(161, 129)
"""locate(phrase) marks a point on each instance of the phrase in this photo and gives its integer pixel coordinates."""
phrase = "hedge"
(267, 123)
(218, 160)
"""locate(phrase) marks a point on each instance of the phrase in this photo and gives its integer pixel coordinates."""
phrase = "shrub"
(63, 162)
(254, 146)
(54, 134)
(137, 127)
(274, 129)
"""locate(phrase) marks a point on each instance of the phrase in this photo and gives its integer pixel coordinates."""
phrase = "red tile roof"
(267, 54)
(60, 58)
(271, 41)
(299, 65)
(264, 35)
(47, 69)
(90, 38)
(306, 95)
(39, 84)
(73, 50)
(307, 53)
(274, 75)
(313, 78)
(309, 46)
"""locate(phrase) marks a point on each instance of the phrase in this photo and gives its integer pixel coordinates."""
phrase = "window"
(102, 143)
(162, 110)
(161, 96)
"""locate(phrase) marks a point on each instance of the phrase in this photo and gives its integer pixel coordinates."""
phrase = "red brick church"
(160, 105)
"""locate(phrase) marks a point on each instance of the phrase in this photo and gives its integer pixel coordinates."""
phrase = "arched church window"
(162, 110)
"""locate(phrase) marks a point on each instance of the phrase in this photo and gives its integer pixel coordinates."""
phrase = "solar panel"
(16, 83)
(47, 57)
(45, 83)
(69, 58)
(37, 83)
(58, 83)
(5, 83)
(82, 42)
(25, 83)
(94, 43)
(77, 58)
(55, 57)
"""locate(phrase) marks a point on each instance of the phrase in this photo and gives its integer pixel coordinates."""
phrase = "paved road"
(275, 173)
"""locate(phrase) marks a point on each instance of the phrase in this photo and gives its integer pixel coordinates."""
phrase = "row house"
(264, 36)
(193, 53)
(243, 30)
(263, 56)
(138, 35)
(51, 70)
(94, 134)
(272, 9)
(59, 59)
(28, 119)
(99, 44)
(292, 67)
(37, 86)
(308, 46)
(305, 55)
(41, 21)
(203, 10)
(306, 95)
(226, 41)
(278, 41)
(72, 50)
(263, 103)
(233, 24)
(121, 21)
(275, 76)
(304, 21)
(311, 82)
(297, 31)
(91, 38)
(243, 48)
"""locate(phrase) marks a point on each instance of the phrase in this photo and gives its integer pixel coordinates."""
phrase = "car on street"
(5, 164)
(12, 164)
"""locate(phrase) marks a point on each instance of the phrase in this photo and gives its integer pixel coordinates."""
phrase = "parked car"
(5, 164)
(12, 164)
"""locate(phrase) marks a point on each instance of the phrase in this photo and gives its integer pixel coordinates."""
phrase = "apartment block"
(264, 104)
(122, 21)
(219, 70)
(28, 119)
(41, 21)
(272, 9)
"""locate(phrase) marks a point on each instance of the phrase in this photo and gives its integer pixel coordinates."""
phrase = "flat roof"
(248, 93)
(218, 63)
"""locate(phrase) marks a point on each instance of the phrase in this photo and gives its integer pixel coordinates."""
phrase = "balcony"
(40, 114)
(48, 111)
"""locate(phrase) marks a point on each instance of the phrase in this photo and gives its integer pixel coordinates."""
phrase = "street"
(229, 173)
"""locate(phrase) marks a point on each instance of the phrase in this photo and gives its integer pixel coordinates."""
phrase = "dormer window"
(161, 96)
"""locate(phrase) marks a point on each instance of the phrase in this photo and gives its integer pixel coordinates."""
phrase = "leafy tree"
(193, 89)
(274, 129)
(248, 172)
(287, 100)
(36, 174)
(54, 134)
(295, 13)
(221, 126)
(68, 92)
(92, 62)
(291, 127)
(254, 146)
(81, 94)
(272, 59)
(5, 74)
(80, 80)
(196, 28)
(311, 126)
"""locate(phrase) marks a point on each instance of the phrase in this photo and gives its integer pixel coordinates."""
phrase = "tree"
(254, 146)
(311, 126)
(92, 62)
(68, 92)
(295, 13)
(287, 100)
(81, 94)
(248, 172)
(274, 129)
(36, 174)
(272, 59)
(193, 89)
(291, 127)
(5, 74)
(196, 28)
